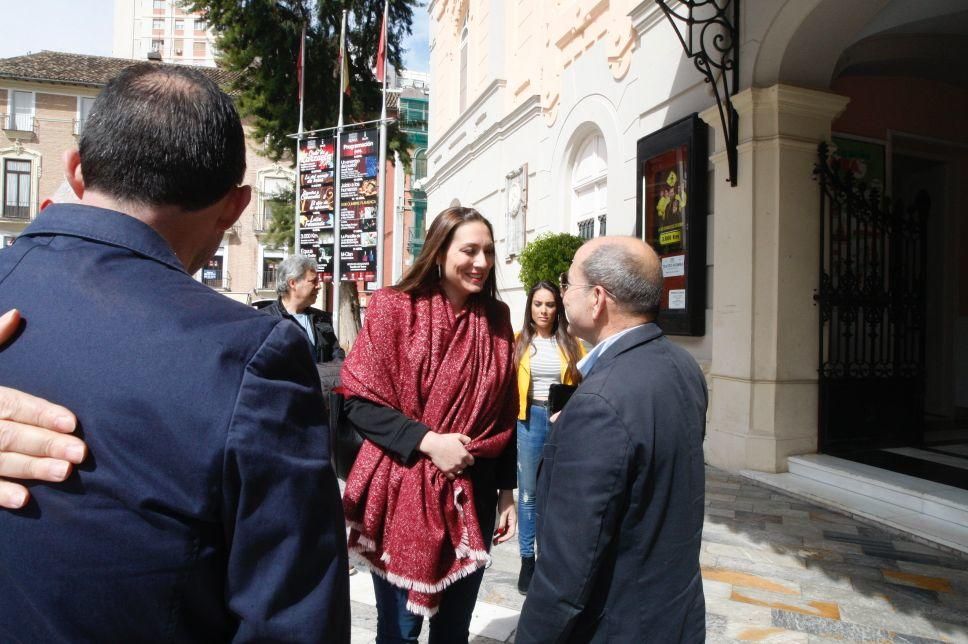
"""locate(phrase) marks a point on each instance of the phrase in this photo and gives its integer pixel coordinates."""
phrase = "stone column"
(763, 375)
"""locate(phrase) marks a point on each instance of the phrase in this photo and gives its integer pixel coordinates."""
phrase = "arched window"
(420, 165)
(589, 186)
(462, 104)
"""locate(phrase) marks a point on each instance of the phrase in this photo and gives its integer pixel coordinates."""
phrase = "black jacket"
(327, 346)
(620, 503)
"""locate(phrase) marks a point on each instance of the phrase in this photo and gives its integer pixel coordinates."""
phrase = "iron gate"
(872, 314)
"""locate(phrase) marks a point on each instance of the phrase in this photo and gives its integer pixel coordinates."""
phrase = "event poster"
(359, 186)
(666, 195)
(672, 177)
(317, 202)
(863, 159)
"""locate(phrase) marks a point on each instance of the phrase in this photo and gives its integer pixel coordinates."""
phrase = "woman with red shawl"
(431, 387)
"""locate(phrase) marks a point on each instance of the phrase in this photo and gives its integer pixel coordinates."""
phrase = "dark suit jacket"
(620, 503)
(207, 510)
(326, 346)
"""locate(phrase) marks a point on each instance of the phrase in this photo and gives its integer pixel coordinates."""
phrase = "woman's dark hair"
(559, 329)
(423, 275)
(163, 135)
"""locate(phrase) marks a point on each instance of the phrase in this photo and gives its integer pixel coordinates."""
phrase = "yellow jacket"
(524, 375)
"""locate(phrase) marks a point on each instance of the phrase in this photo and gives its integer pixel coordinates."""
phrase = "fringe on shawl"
(479, 560)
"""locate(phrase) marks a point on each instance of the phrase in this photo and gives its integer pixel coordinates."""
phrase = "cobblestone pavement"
(774, 570)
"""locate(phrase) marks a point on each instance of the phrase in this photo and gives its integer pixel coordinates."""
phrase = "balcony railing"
(17, 122)
(215, 278)
(415, 245)
(261, 220)
(269, 279)
(414, 125)
(15, 212)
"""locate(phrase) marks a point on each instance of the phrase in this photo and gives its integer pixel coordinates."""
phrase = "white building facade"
(162, 28)
(564, 90)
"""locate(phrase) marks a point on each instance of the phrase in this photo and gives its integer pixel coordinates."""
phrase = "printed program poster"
(359, 187)
(317, 200)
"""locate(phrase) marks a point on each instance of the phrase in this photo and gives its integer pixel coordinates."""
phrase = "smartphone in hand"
(558, 395)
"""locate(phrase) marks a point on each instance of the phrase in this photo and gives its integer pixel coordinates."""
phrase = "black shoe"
(524, 577)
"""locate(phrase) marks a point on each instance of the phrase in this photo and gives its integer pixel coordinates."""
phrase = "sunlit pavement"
(775, 569)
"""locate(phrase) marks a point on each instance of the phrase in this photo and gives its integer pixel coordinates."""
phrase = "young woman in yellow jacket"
(545, 354)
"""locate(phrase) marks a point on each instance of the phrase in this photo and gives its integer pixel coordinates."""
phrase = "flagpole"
(302, 79)
(342, 69)
(381, 196)
(302, 75)
(337, 262)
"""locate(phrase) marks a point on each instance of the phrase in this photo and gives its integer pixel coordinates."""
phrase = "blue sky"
(84, 27)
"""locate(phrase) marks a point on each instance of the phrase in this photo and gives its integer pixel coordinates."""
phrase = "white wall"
(470, 159)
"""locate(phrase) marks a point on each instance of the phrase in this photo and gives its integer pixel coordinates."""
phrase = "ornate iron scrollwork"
(709, 33)
(871, 299)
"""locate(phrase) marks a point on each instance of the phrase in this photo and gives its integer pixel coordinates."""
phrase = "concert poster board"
(359, 186)
(317, 200)
(671, 207)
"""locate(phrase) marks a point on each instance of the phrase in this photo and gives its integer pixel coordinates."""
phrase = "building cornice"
(645, 16)
(498, 131)
(489, 91)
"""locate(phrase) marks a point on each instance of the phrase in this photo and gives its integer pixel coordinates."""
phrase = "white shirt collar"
(586, 364)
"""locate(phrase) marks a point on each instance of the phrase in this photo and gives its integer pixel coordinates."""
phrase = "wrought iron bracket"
(709, 33)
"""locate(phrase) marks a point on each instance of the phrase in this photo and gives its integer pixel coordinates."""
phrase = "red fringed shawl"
(414, 527)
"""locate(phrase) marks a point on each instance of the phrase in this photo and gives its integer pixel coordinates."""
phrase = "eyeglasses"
(565, 285)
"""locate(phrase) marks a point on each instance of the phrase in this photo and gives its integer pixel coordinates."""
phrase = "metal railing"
(260, 221)
(15, 212)
(414, 125)
(17, 122)
(269, 279)
(416, 240)
(215, 278)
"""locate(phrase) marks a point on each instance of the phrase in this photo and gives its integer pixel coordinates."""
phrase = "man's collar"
(106, 226)
(632, 335)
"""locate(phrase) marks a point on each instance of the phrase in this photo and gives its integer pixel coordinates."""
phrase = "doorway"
(937, 449)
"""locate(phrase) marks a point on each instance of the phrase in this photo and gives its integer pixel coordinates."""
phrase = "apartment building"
(44, 101)
(164, 30)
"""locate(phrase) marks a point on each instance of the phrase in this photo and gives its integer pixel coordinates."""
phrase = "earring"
(440, 273)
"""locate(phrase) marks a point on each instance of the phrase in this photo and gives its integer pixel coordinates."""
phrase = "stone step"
(928, 512)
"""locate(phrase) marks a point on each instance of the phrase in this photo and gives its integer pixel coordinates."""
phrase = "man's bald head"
(628, 269)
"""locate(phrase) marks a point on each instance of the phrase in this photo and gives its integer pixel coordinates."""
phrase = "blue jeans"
(395, 624)
(531, 439)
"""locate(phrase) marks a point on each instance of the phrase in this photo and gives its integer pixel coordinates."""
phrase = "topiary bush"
(547, 257)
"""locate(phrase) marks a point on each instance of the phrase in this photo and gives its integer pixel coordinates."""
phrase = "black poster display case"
(671, 209)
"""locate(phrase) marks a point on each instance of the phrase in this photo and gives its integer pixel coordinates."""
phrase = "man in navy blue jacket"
(207, 509)
(620, 489)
